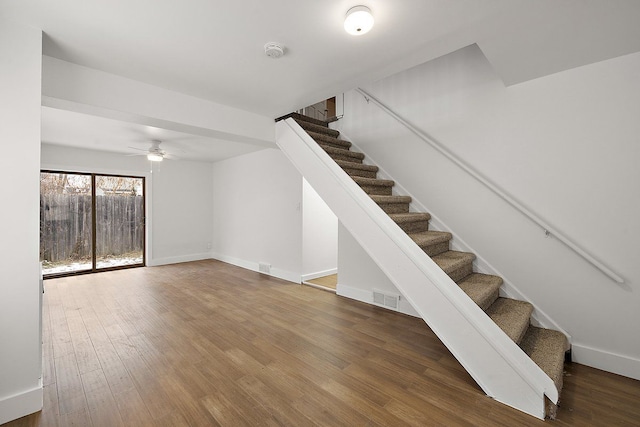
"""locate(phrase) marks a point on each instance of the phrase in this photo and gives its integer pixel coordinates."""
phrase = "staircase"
(544, 346)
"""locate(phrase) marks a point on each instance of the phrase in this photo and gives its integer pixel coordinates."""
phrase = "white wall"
(179, 198)
(360, 275)
(565, 145)
(20, 308)
(258, 213)
(319, 235)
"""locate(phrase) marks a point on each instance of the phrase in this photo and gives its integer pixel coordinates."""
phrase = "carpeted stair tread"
(358, 169)
(432, 242)
(374, 186)
(308, 126)
(390, 199)
(392, 204)
(546, 348)
(412, 222)
(427, 238)
(326, 139)
(353, 156)
(483, 289)
(451, 260)
(373, 181)
(300, 117)
(361, 166)
(512, 316)
(410, 217)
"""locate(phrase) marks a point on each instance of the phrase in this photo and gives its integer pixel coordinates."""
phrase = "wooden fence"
(65, 226)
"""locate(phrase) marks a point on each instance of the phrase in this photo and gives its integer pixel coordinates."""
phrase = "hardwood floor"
(206, 343)
(329, 282)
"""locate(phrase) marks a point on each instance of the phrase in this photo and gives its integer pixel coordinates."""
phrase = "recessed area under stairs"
(326, 283)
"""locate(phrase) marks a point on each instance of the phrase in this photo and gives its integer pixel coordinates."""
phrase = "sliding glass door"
(66, 232)
(90, 222)
(119, 204)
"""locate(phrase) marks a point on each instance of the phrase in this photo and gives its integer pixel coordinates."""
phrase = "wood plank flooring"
(206, 343)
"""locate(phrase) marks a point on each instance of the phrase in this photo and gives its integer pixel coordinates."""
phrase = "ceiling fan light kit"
(358, 21)
(155, 157)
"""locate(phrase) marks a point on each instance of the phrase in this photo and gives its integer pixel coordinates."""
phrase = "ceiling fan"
(154, 153)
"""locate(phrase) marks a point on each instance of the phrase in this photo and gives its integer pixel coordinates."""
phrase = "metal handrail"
(548, 230)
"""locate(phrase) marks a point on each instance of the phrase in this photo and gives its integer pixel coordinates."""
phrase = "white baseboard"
(289, 276)
(317, 274)
(607, 361)
(19, 405)
(177, 259)
(366, 296)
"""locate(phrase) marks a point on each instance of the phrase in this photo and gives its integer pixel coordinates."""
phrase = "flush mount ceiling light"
(273, 50)
(359, 20)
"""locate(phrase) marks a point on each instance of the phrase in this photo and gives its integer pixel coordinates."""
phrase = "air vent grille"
(386, 299)
(264, 267)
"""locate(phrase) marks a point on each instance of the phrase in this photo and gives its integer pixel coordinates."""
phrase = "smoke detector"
(273, 50)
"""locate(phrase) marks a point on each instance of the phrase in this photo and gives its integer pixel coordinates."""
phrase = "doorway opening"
(319, 241)
(90, 222)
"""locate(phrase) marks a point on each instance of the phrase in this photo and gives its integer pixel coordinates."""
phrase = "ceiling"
(71, 129)
(213, 49)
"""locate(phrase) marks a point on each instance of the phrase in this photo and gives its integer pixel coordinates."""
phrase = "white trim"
(289, 276)
(605, 360)
(178, 259)
(248, 265)
(317, 274)
(19, 405)
(366, 297)
(322, 288)
(508, 289)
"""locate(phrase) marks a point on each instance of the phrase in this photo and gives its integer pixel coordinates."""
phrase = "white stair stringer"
(496, 363)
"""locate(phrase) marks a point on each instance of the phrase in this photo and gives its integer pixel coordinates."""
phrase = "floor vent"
(264, 267)
(386, 299)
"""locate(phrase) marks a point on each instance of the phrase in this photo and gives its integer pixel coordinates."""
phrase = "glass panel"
(65, 222)
(119, 221)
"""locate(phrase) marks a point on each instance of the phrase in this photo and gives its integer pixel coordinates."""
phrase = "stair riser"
(414, 226)
(485, 304)
(394, 207)
(436, 249)
(376, 189)
(461, 272)
(521, 336)
(361, 173)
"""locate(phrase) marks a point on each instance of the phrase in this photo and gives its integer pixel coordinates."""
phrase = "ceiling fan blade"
(139, 149)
